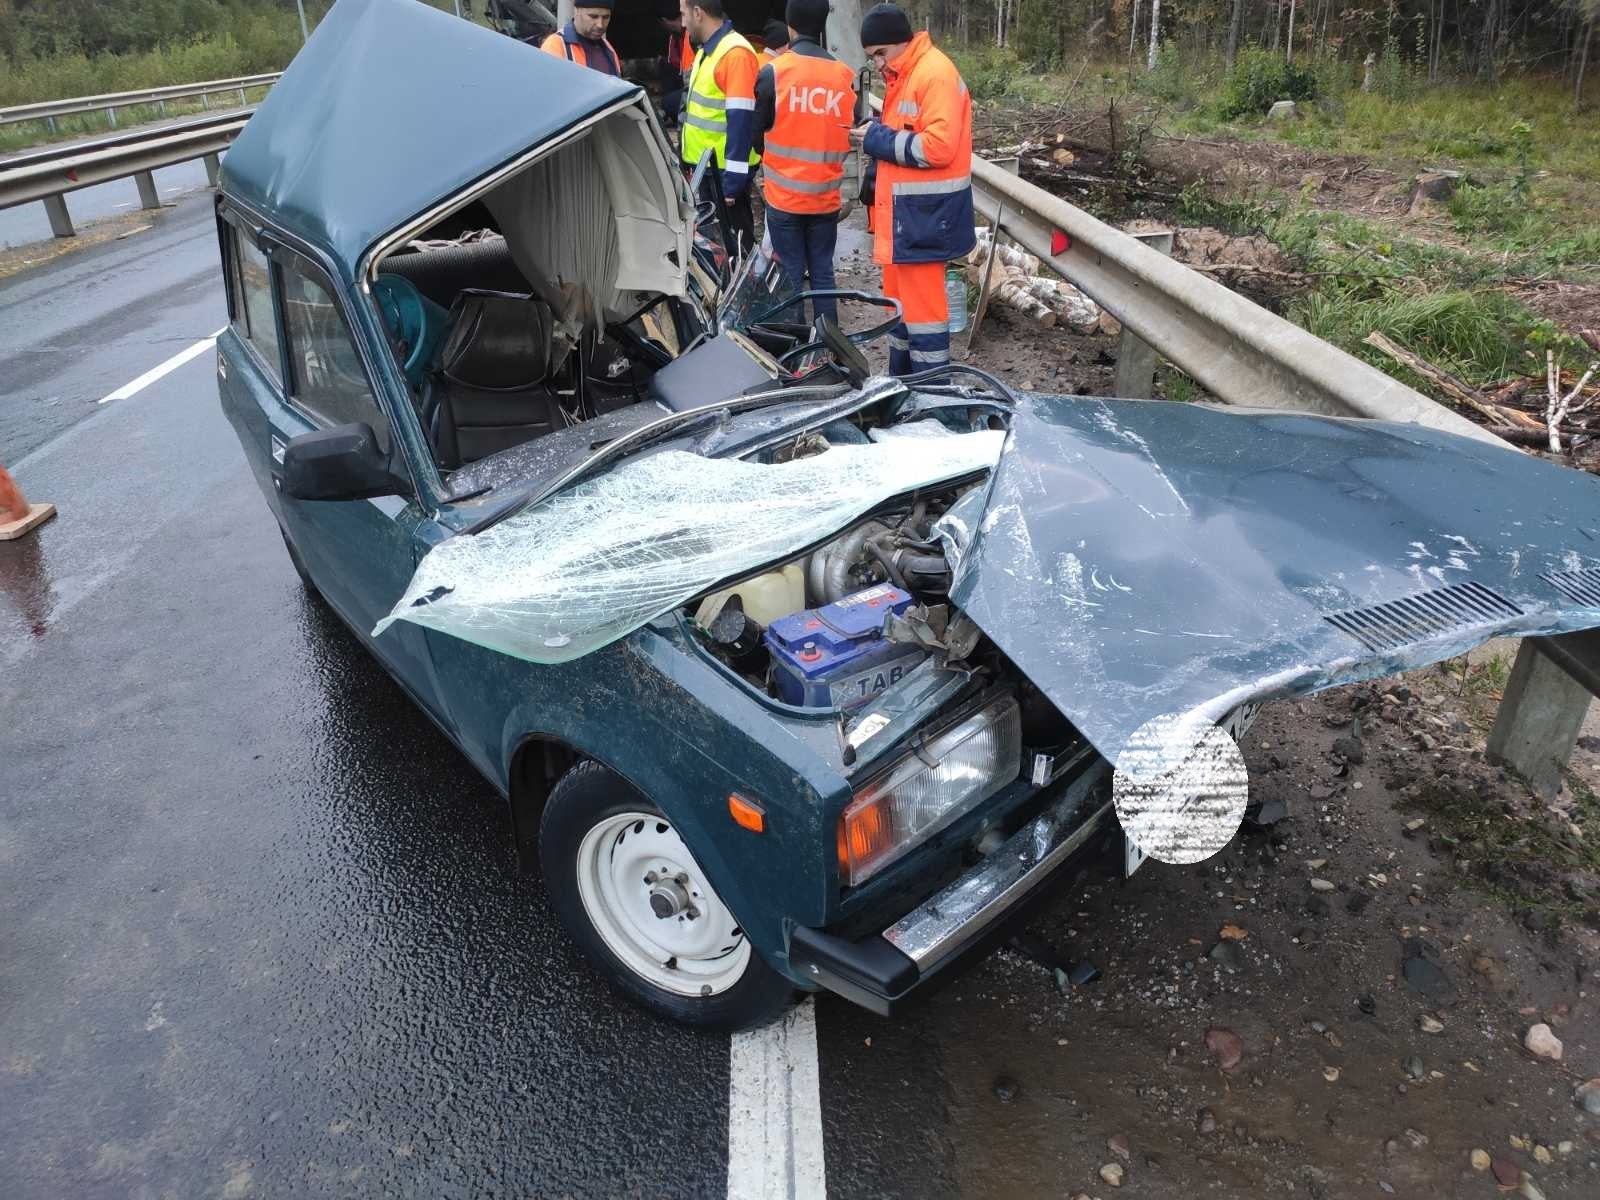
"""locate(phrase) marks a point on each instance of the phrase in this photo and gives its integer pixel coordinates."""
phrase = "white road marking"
(775, 1111)
(158, 372)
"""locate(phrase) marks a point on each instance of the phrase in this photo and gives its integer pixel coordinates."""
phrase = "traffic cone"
(17, 516)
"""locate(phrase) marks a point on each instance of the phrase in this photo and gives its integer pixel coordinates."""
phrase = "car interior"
(545, 301)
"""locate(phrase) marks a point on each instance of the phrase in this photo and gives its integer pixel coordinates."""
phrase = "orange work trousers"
(922, 339)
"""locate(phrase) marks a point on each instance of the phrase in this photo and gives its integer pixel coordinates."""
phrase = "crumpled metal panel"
(1142, 560)
(598, 560)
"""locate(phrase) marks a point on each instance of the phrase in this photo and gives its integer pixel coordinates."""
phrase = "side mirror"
(342, 463)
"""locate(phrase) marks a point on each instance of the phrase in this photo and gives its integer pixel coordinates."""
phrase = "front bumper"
(881, 970)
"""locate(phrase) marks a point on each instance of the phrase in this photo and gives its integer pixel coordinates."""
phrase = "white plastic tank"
(764, 598)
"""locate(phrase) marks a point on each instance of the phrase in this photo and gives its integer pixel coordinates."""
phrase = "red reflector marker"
(1060, 243)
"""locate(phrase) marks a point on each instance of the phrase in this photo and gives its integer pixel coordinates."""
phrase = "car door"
(360, 553)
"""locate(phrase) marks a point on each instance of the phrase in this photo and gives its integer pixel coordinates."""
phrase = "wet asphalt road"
(261, 929)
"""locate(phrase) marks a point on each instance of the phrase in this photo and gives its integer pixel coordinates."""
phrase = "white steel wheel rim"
(620, 860)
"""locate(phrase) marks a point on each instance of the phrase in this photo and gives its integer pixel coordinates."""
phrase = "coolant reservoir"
(765, 598)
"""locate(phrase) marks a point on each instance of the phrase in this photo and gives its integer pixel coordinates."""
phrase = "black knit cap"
(775, 34)
(605, 4)
(808, 18)
(885, 25)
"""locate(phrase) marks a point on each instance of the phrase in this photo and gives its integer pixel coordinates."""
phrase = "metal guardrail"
(48, 110)
(49, 173)
(1245, 355)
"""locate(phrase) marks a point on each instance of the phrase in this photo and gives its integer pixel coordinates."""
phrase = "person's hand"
(859, 134)
(730, 201)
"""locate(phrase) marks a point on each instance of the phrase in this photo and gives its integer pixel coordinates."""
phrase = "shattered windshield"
(598, 560)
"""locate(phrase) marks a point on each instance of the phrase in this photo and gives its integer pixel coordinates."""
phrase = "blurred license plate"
(1235, 723)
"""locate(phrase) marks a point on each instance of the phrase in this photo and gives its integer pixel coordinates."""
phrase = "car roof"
(391, 107)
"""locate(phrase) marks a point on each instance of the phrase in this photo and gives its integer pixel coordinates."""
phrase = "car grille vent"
(1424, 617)
(1581, 587)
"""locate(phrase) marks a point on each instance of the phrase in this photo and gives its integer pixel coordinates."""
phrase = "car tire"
(299, 566)
(637, 904)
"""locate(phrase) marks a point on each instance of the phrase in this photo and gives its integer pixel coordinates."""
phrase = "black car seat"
(489, 392)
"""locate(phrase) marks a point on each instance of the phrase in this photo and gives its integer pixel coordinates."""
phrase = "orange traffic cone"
(17, 516)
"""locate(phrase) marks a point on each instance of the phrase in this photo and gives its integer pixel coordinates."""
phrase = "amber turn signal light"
(746, 814)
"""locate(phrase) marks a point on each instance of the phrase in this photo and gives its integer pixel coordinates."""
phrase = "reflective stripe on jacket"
(565, 43)
(803, 161)
(717, 119)
(922, 202)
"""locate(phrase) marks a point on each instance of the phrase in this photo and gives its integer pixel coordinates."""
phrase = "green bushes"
(1258, 79)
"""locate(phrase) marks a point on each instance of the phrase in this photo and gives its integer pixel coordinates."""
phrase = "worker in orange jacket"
(804, 101)
(921, 150)
(583, 39)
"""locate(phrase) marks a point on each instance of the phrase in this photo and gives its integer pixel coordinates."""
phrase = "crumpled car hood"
(1145, 559)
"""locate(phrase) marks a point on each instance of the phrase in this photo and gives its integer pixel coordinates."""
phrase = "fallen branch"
(1443, 380)
(1556, 411)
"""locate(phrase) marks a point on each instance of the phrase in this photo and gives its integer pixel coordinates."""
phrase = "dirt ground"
(1339, 1090)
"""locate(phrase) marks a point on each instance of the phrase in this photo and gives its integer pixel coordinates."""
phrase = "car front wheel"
(635, 900)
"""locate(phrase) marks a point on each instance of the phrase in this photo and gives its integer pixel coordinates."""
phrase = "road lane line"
(775, 1111)
(163, 370)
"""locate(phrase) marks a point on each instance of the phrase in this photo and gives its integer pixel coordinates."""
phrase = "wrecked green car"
(793, 677)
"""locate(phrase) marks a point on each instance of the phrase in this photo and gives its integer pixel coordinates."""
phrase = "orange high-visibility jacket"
(573, 50)
(922, 144)
(803, 161)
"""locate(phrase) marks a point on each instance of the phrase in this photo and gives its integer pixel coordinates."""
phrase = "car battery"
(836, 655)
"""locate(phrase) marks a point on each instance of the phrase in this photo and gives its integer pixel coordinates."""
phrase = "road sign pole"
(304, 33)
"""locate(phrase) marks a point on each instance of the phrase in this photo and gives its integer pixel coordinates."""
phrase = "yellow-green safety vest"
(705, 114)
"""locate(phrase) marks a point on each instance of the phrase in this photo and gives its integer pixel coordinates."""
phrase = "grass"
(257, 40)
(1517, 856)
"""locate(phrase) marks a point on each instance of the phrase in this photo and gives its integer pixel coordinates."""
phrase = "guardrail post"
(147, 189)
(55, 207)
(205, 101)
(1543, 707)
(161, 107)
(213, 168)
(111, 116)
(241, 97)
(1136, 358)
(50, 124)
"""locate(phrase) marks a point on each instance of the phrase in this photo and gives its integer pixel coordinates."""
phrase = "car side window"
(329, 379)
(255, 286)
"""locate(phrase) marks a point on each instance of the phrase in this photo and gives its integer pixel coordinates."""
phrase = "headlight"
(930, 787)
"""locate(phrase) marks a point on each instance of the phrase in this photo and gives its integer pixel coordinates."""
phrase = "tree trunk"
(1233, 32)
(1133, 33)
(1289, 53)
(1155, 33)
(1583, 61)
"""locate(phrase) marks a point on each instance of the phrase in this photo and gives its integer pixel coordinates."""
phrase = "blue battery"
(836, 655)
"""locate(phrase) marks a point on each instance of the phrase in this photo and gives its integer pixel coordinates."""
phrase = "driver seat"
(490, 388)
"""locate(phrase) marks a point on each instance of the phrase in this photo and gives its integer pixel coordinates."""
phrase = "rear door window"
(255, 287)
(329, 379)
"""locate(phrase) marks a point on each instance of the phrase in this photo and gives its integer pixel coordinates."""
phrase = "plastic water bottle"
(955, 289)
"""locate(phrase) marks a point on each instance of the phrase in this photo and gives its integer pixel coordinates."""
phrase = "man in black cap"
(921, 216)
(775, 36)
(583, 39)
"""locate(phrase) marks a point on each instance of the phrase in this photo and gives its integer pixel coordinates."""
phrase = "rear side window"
(255, 286)
(329, 378)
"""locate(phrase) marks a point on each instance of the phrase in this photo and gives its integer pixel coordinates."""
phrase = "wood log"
(1076, 309)
(1441, 379)
(1009, 256)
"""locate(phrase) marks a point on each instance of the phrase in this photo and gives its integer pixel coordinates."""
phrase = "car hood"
(1140, 560)
(1136, 560)
(392, 107)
